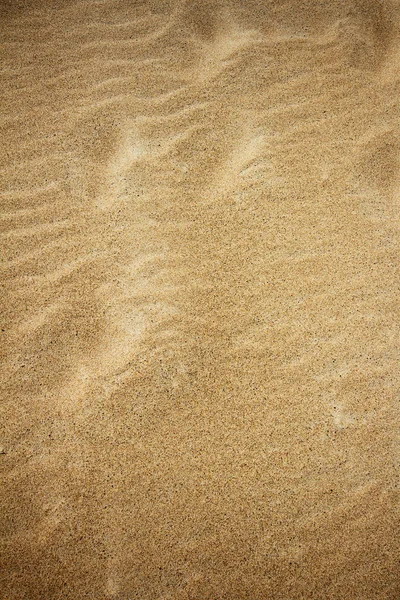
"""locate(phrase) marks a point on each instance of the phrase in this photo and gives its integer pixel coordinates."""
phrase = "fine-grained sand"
(200, 295)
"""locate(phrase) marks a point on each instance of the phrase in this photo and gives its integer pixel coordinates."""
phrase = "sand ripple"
(199, 221)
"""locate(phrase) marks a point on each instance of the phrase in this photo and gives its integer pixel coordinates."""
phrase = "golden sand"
(200, 296)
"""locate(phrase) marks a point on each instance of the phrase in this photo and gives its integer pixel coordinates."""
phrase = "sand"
(200, 299)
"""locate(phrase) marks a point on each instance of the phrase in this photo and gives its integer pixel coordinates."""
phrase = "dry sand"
(200, 248)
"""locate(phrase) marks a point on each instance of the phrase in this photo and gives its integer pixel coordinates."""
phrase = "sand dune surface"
(199, 212)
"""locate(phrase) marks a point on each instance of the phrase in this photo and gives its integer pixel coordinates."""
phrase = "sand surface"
(200, 299)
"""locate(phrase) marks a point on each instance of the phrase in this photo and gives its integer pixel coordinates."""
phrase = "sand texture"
(200, 228)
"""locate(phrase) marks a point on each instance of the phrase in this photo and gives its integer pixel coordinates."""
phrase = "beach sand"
(200, 299)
